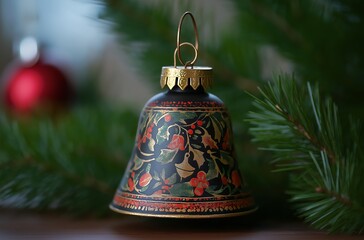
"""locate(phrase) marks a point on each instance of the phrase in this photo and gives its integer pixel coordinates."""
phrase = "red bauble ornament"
(40, 86)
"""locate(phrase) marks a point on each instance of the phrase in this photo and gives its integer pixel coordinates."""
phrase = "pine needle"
(73, 163)
(324, 162)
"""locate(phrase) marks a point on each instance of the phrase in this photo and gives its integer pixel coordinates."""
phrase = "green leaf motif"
(211, 189)
(182, 116)
(162, 134)
(155, 176)
(226, 158)
(157, 116)
(198, 157)
(166, 155)
(172, 179)
(217, 129)
(151, 144)
(163, 174)
(157, 184)
(182, 190)
(138, 162)
(147, 169)
(196, 146)
(143, 189)
(212, 173)
(198, 132)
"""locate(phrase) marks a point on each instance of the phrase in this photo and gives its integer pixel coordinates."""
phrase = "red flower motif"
(235, 178)
(177, 142)
(145, 179)
(226, 141)
(199, 123)
(148, 134)
(168, 118)
(200, 183)
(208, 141)
(139, 141)
(224, 180)
(166, 186)
(165, 189)
(131, 184)
(150, 128)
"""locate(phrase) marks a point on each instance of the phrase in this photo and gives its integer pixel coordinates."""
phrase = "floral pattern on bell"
(183, 152)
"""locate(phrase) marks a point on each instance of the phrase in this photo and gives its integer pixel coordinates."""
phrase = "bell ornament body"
(183, 164)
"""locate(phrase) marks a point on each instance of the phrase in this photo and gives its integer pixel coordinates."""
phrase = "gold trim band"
(235, 214)
(191, 208)
(183, 77)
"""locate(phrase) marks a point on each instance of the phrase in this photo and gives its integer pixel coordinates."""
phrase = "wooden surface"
(20, 225)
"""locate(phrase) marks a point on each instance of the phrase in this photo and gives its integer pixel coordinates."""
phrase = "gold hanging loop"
(188, 63)
(187, 74)
(179, 44)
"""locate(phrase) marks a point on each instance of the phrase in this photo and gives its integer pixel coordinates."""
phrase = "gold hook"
(188, 63)
(179, 45)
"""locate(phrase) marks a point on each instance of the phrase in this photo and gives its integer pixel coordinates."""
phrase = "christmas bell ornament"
(183, 164)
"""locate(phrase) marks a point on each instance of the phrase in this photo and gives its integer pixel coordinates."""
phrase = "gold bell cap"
(182, 77)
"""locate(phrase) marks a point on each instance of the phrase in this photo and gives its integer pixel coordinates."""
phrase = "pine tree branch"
(343, 199)
(86, 181)
(313, 140)
(327, 30)
(309, 141)
(62, 165)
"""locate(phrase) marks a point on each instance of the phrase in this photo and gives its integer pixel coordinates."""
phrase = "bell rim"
(185, 216)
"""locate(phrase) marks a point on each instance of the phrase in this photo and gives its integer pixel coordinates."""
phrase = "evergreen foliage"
(320, 150)
(322, 38)
(73, 163)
